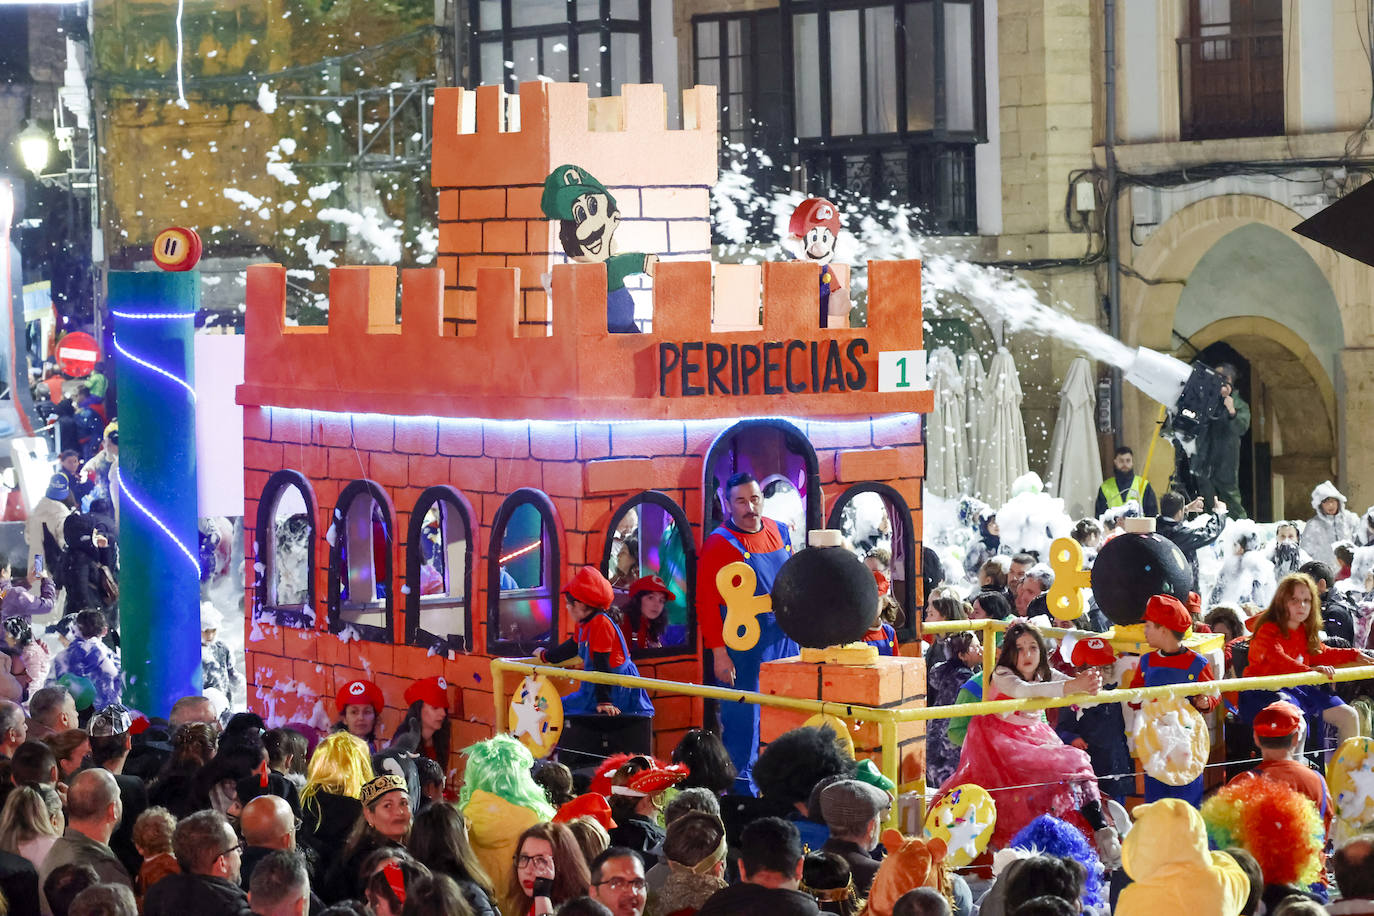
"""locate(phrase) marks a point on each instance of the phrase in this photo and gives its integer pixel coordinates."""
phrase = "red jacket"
(1272, 652)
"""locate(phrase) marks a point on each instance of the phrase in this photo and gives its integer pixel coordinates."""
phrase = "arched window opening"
(876, 524)
(523, 574)
(781, 459)
(649, 536)
(285, 547)
(360, 562)
(439, 571)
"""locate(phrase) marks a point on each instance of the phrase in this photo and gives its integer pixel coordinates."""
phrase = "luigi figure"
(587, 219)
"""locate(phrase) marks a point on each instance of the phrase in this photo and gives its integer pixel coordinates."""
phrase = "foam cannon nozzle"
(1190, 394)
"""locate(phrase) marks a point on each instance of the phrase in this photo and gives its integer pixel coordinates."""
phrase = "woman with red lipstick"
(548, 869)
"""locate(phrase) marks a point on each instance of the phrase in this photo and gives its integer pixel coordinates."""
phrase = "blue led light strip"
(158, 369)
(879, 422)
(195, 561)
(153, 316)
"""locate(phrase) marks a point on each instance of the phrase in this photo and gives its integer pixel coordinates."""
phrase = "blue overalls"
(1159, 676)
(882, 637)
(740, 721)
(631, 701)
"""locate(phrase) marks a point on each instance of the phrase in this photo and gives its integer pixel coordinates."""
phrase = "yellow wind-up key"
(1065, 599)
(736, 583)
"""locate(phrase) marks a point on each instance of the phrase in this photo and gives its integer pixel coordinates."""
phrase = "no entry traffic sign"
(77, 354)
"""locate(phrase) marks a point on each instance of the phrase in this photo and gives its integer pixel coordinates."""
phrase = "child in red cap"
(601, 645)
(1279, 734)
(360, 705)
(1166, 620)
(426, 722)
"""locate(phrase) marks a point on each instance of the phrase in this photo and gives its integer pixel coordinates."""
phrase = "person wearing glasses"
(618, 881)
(547, 870)
(212, 859)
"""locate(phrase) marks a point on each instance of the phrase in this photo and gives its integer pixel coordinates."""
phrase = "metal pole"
(1110, 212)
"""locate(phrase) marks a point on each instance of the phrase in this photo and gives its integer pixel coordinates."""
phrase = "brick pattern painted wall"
(588, 469)
(499, 149)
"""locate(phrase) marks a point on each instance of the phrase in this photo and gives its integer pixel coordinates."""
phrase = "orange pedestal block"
(890, 682)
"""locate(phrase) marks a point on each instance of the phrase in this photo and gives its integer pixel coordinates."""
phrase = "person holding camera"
(1219, 471)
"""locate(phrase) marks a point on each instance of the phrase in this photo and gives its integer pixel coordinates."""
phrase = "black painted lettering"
(690, 368)
(750, 358)
(792, 385)
(772, 365)
(717, 357)
(834, 372)
(734, 369)
(668, 357)
(815, 367)
(858, 379)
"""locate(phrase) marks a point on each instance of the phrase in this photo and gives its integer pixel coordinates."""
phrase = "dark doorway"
(1256, 489)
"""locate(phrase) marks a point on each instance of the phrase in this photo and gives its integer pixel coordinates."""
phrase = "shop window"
(650, 536)
(523, 574)
(439, 571)
(781, 459)
(876, 523)
(285, 547)
(360, 573)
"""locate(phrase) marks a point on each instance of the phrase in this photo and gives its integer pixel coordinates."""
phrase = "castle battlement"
(487, 138)
(698, 360)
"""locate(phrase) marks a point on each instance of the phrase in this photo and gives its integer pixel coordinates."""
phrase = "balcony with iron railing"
(1231, 84)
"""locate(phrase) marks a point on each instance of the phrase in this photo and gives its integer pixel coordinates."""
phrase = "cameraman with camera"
(1218, 460)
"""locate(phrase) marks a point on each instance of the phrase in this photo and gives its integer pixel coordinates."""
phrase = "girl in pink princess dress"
(1020, 760)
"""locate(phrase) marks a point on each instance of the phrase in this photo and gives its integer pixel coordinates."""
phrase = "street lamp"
(34, 148)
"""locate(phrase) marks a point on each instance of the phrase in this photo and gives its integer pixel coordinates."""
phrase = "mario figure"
(587, 219)
(816, 224)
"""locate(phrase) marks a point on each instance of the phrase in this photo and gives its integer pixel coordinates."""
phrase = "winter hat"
(356, 693)
(432, 690)
(1086, 652)
(849, 806)
(58, 488)
(1168, 612)
(591, 588)
(651, 584)
(210, 617)
(380, 786)
(1324, 491)
(1278, 720)
(590, 805)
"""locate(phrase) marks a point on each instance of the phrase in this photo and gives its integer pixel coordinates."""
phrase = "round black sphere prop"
(825, 596)
(1132, 567)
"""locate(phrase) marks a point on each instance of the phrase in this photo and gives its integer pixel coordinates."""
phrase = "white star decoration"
(964, 835)
(529, 718)
(1363, 781)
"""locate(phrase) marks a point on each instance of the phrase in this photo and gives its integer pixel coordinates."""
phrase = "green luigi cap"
(564, 186)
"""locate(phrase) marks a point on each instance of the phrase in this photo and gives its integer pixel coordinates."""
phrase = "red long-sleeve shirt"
(716, 553)
(1273, 652)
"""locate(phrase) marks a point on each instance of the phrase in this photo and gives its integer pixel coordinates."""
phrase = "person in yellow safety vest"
(1125, 484)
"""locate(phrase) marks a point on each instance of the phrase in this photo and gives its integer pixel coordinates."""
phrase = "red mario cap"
(1168, 612)
(814, 211)
(651, 584)
(1278, 720)
(356, 693)
(589, 805)
(884, 584)
(1091, 652)
(590, 587)
(432, 690)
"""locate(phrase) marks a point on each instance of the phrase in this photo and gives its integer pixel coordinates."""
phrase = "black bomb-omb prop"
(1132, 567)
(825, 596)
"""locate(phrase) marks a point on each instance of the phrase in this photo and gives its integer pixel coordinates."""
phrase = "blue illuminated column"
(159, 594)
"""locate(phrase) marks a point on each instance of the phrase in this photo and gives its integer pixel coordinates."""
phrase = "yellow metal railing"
(888, 719)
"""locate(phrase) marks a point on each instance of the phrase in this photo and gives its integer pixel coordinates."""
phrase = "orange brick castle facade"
(417, 492)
